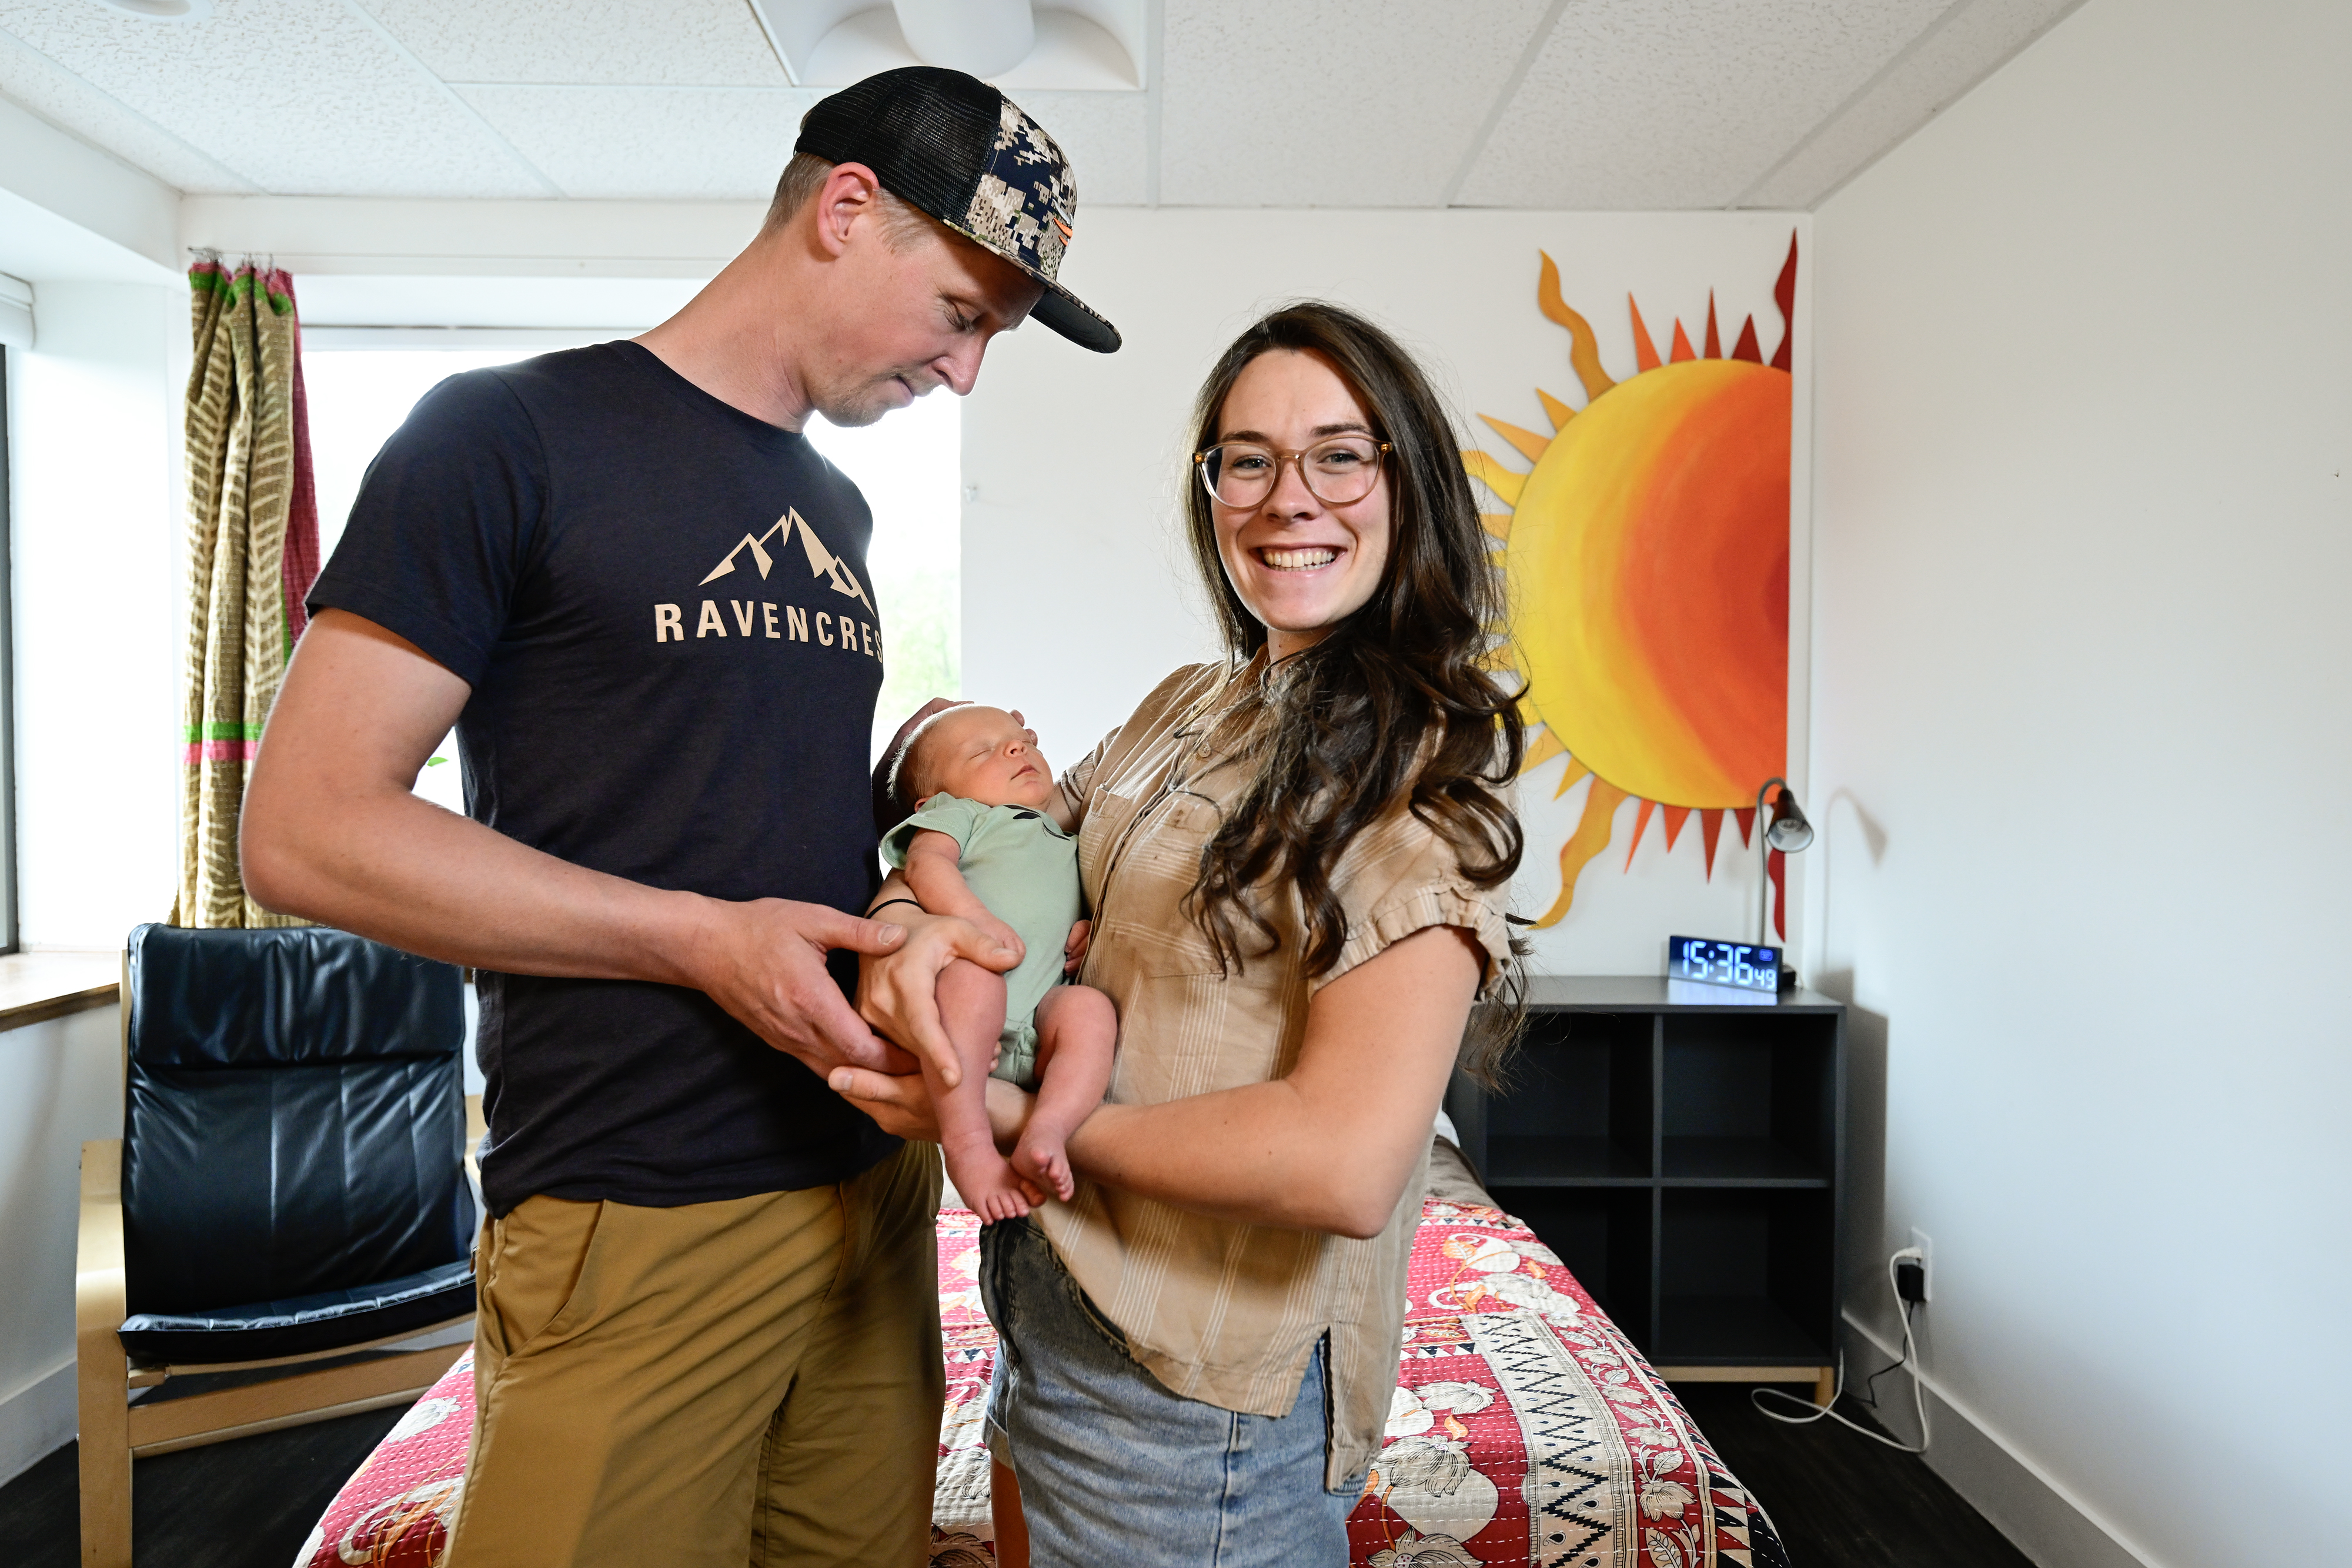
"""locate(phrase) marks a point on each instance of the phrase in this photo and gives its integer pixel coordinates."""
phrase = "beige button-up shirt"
(1220, 1311)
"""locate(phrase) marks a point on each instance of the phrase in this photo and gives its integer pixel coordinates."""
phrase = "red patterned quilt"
(1525, 1430)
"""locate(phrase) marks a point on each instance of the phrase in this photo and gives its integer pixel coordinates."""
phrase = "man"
(709, 1318)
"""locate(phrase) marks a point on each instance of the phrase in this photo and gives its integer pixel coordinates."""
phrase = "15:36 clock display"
(1745, 965)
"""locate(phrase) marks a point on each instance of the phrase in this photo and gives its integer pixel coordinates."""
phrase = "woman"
(1295, 864)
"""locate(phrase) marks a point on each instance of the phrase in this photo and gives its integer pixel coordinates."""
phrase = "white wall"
(61, 1083)
(1077, 594)
(95, 548)
(2080, 747)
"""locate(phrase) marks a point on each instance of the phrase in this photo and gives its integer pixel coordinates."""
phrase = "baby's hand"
(1074, 951)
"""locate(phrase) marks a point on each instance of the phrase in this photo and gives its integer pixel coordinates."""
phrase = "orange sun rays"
(1648, 554)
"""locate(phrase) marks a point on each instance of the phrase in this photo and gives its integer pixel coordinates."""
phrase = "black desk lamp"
(1785, 830)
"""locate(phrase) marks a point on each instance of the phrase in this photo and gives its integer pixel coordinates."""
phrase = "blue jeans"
(1116, 1469)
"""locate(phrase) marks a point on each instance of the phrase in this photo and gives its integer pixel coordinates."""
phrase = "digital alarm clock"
(1714, 963)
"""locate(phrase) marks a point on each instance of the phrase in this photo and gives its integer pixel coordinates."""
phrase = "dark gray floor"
(1838, 1499)
(243, 1504)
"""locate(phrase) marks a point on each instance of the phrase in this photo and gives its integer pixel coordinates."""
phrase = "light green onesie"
(1016, 862)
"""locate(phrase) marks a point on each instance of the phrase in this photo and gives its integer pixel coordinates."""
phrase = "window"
(8, 690)
(357, 398)
(909, 464)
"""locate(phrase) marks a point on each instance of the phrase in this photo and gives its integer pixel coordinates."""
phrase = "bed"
(1524, 1430)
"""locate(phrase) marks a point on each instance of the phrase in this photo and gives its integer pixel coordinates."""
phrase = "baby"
(988, 840)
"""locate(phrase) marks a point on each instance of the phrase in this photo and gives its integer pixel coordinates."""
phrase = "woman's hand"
(1074, 951)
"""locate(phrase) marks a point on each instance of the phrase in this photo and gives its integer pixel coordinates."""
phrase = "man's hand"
(1002, 934)
(897, 992)
(1074, 951)
(764, 963)
(901, 1106)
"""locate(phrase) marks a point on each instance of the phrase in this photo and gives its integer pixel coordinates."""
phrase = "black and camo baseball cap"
(956, 148)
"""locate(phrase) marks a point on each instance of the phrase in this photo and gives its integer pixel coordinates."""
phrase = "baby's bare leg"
(971, 1007)
(1077, 1034)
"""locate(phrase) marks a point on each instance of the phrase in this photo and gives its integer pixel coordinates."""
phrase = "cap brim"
(1057, 308)
(1074, 319)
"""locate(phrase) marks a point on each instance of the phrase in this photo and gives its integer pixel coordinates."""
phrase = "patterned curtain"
(253, 550)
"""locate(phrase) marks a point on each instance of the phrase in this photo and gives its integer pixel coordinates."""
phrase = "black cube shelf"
(1683, 1149)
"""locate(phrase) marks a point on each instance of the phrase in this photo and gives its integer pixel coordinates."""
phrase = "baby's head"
(983, 754)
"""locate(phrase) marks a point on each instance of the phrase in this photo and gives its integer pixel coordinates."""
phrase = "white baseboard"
(36, 1421)
(2036, 1511)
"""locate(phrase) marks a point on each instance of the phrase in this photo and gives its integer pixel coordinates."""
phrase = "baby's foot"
(1044, 1161)
(989, 1186)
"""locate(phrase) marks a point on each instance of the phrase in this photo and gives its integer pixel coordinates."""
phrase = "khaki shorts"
(754, 1381)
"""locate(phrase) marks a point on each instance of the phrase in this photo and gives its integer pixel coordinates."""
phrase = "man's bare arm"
(332, 832)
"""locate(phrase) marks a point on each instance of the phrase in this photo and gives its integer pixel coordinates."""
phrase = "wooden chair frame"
(115, 1431)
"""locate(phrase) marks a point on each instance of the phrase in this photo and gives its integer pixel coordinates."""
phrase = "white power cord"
(1910, 1361)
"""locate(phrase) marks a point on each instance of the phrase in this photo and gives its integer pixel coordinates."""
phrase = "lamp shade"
(1789, 831)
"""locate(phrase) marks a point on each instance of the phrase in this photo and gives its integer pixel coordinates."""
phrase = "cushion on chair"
(296, 1122)
(257, 1183)
(302, 1325)
(286, 996)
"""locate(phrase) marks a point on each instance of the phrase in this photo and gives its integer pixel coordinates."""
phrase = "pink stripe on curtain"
(220, 751)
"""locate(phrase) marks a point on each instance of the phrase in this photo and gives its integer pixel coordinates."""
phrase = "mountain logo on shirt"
(822, 561)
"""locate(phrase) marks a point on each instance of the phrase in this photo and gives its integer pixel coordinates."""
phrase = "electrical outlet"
(1926, 1247)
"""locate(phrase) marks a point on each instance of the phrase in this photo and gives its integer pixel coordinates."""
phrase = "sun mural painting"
(1647, 558)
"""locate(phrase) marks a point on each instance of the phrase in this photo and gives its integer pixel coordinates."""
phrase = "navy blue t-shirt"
(661, 605)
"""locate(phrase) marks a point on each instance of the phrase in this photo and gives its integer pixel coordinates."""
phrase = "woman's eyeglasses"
(1336, 472)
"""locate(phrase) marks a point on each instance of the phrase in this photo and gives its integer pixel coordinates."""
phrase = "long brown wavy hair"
(1395, 706)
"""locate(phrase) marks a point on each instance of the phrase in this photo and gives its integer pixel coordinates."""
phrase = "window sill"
(36, 986)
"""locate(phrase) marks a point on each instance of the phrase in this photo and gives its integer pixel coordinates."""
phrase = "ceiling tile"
(695, 143)
(681, 43)
(1680, 103)
(1973, 42)
(63, 98)
(674, 142)
(301, 97)
(1101, 133)
(1626, 104)
(1335, 103)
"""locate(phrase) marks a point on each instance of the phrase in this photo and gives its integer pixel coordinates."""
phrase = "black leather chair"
(289, 1189)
